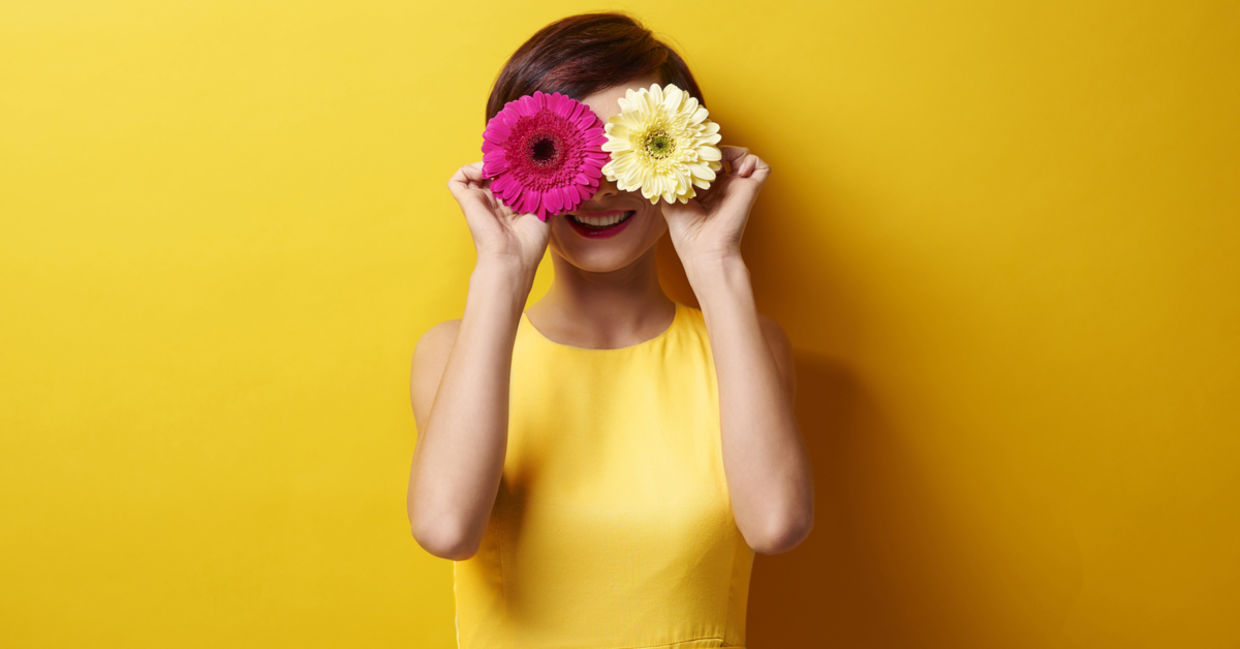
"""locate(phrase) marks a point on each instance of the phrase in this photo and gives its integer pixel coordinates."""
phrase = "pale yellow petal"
(672, 97)
(691, 159)
(703, 171)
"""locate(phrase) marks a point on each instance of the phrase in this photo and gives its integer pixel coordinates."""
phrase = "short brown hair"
(582, 54)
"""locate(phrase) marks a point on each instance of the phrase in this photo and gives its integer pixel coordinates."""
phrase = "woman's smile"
(600, 225)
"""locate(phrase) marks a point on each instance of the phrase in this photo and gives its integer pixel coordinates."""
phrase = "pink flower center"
(547, 154)
(544, 149)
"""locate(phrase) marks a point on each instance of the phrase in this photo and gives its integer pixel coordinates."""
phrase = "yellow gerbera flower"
(661, 143)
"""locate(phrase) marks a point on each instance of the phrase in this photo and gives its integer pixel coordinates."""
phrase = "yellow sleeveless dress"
(613, 526)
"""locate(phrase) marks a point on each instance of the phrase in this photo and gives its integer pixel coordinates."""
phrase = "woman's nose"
(606, 188)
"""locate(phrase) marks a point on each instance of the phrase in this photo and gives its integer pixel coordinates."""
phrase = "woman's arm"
(768, 471)
(459, 388)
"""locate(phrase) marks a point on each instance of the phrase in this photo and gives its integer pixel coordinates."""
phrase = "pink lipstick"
(591, 232)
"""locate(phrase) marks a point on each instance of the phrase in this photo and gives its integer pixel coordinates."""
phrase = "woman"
(601, 466)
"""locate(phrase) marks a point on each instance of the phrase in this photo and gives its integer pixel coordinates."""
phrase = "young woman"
(602, 466)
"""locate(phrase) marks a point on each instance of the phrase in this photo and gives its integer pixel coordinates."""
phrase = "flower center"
(659, 144)
(543, 149)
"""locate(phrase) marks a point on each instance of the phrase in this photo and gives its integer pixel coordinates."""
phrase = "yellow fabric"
(613, 525)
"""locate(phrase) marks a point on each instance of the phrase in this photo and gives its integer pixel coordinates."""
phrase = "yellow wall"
(1002, 236)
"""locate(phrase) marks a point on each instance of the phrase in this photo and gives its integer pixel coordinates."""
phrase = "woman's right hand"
(500, 233)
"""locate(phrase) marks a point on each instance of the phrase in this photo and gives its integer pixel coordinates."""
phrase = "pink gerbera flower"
(544, 154)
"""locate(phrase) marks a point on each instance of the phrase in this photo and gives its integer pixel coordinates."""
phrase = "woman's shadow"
(887, 565)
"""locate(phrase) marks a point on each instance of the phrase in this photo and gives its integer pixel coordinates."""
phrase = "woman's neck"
(611, 309)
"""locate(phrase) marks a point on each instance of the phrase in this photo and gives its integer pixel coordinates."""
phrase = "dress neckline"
(676, 316)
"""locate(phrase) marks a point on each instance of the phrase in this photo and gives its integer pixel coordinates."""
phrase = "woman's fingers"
(470, 173)
(468, 177)
(740, 162)
(731, 155)
(747, 166)
(473, 171)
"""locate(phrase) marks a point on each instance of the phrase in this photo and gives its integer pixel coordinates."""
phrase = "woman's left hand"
(710, 225)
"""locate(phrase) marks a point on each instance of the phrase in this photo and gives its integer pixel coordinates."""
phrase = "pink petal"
(553, 200)
(512, 199)
(529, 202)
(572, 199)
(494, 166)
(511, 187)
(499, 125)
(497, 184)
(527, 106)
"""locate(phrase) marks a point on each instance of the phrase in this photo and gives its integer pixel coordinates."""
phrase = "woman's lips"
(600, 233)
(599, 214)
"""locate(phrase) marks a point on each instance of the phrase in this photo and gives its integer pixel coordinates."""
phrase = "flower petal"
(670, 173)
(551, 183)
(672, 97)
(553, 200)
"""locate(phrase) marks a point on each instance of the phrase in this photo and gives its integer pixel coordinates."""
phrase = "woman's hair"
(580, 55)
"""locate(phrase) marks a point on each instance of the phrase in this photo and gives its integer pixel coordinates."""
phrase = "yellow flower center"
(659, 144)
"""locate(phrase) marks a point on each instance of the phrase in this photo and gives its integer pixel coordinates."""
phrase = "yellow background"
(1002, 236)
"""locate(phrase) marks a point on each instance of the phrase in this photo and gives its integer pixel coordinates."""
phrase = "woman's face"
(637, 235)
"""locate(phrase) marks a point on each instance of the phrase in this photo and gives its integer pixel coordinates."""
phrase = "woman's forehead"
(606, 102)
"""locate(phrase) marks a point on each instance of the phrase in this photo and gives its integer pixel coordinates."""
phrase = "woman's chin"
(605, 254)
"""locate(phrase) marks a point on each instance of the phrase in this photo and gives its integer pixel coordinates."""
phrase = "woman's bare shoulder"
(430, 357)
(437, 340)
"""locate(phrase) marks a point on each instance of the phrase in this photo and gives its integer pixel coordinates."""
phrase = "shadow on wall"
(892, 562)
(887, 565)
